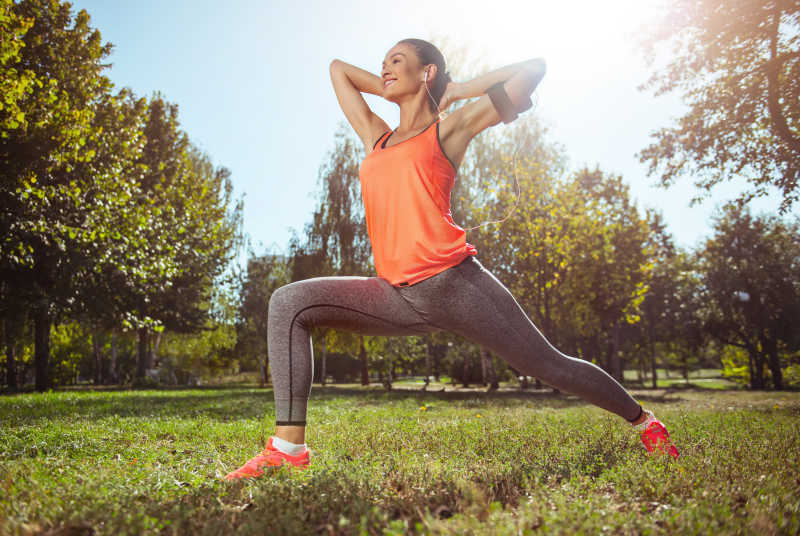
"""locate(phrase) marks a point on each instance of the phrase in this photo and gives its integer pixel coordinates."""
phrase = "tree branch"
(773, 70)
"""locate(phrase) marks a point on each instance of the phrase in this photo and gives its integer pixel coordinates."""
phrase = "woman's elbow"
(534, 72)
(538, 66)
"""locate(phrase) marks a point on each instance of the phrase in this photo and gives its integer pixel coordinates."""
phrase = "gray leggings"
(465, 299)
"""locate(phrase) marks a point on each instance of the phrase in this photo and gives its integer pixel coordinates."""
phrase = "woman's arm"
(456, 131)
(478, 86)
(349, 82)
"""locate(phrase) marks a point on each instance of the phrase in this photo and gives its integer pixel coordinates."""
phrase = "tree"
(737, 65)
(112, 226)
(265, 274)
(750, 272)
(93, 223)
(672, 319)
(609, 264)
(390, 353)
(573, 253)
(44, 198)
(190, 236)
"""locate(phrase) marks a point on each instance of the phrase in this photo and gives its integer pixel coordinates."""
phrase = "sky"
(251, 79)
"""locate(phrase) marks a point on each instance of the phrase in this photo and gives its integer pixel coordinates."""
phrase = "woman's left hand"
(452, 93)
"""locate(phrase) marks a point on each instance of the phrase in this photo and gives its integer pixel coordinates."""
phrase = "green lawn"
(151, 462)
(700, 379)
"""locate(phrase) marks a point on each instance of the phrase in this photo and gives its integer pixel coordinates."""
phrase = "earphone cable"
(442, 115)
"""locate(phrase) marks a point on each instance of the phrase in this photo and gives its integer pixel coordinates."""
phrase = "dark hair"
(427, 54)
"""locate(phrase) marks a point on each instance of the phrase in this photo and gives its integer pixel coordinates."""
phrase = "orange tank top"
(406, 191)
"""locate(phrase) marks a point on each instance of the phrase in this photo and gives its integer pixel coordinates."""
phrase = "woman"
(428, 276)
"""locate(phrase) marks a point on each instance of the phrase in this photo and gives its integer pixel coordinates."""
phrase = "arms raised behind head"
(519, 80)
(349, 82)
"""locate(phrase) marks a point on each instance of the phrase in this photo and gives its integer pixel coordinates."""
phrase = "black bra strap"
(379, 139)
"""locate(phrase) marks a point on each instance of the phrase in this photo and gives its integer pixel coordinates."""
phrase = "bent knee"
(285, 300)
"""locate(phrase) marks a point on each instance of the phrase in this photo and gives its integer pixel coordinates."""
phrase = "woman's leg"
(468, 300)
(365, 305)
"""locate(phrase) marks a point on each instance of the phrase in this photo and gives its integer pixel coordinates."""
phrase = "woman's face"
(401, 71)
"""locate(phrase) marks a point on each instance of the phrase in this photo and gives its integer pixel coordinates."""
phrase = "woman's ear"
(430, 72)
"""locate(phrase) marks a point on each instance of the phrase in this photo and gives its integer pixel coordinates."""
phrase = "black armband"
(503, 105)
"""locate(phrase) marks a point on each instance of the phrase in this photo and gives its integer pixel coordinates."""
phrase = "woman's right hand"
(453, 92)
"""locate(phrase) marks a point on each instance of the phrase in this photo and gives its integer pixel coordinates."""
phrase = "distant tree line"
(114, 226)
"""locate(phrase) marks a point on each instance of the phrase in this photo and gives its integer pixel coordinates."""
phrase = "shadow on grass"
(226, 404)
(223, 404)
(538, 396)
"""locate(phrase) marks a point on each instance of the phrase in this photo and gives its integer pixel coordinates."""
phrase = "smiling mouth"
(388, 83)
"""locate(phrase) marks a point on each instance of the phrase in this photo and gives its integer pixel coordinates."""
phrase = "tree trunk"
(11, 365)
(489, 372)
(114, 372)
(263, 365)
(760, 372)
(387, 381)
(653, 356)
(436, 361)
(324, 359)
(427, 366)
(364, 368)
(774, 363)
(685, 364)
(154, 350)
(757, 375)
(483, 367)
(465, 372)
(42, 345)
(98, 358)
(141, 362)
(615, 363)
(523, 382)
(774, 94)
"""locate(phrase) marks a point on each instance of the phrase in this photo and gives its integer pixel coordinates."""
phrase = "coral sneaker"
(656, 438)
(269, 459)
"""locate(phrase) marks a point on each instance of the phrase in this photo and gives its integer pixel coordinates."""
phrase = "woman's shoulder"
(453, 138)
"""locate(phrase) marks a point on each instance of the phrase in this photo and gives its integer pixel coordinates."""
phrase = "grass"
(698, 379)
(150, 462)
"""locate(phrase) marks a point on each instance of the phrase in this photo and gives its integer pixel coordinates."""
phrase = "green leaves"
(736, 65)
(89, 230)
(749, 275)
(573, 253)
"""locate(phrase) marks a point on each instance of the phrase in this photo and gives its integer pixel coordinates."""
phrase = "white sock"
(286, 447)
(642, 425)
